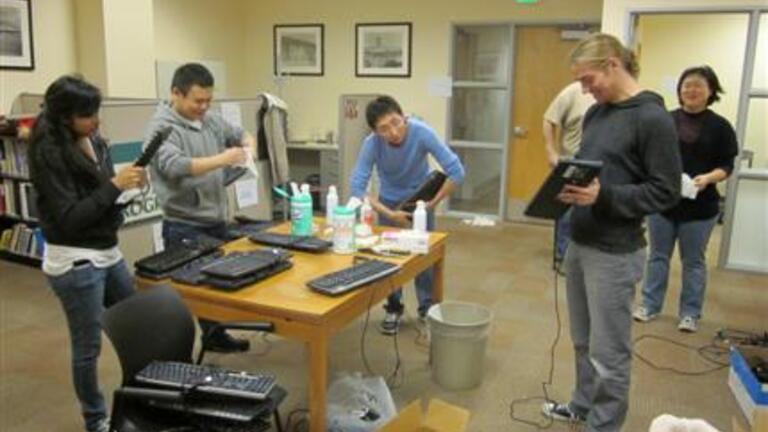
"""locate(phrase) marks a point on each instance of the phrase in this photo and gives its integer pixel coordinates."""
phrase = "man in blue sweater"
(398, 147)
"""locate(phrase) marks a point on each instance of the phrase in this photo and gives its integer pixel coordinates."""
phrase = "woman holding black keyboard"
(77, 190)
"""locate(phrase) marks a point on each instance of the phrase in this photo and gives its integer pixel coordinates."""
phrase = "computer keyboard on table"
(359, 274)
(161, 264)
(235, 270)
(207, 379)
(288, 241)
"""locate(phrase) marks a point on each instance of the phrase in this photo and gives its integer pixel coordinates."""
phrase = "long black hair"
(65, 99)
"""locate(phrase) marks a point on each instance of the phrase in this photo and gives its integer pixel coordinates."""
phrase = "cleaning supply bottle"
(331, 202)
(366, 213)
(420, 217)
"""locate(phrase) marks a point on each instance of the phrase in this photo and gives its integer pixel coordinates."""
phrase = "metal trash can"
(458, 335)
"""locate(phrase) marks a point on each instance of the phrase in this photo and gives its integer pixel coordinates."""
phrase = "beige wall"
(670, 43)
(313, 101)
(91, 49)
(130, 57)
(54, 49)
(187, 30)
(616, 12)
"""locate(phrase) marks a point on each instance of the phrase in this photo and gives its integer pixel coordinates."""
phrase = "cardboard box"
(440, 417)
(751, 394)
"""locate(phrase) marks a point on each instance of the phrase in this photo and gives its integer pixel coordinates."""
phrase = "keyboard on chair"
(361, 273)
(207, 379)
(288, 241)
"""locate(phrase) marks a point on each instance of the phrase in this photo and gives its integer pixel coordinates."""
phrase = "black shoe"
(224, 343)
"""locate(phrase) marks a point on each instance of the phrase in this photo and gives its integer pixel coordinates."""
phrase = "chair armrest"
(146, 393)
(246, 325)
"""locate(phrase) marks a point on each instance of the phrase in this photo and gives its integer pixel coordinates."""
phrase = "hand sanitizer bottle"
(420, 217)
(331, 202)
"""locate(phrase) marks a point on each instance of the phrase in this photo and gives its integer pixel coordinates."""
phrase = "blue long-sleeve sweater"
(402, 169)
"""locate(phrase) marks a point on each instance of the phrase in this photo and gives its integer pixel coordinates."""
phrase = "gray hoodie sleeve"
(660, 158)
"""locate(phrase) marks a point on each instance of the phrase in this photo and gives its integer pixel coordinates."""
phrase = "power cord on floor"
(710, 353)
(548, 383)
(397, 371)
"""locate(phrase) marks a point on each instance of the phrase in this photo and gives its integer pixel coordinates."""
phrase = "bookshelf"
(21, 240)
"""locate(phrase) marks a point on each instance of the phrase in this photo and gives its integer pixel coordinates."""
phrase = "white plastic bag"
(357, 404)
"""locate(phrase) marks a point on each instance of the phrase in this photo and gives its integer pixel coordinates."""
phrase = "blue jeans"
(84, 292)
(562, 235)
(179, 233)
(423, 279)
(692, 237)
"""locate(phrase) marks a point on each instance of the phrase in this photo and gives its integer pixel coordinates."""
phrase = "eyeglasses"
(393, 124)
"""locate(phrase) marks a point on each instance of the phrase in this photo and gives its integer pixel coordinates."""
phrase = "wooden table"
(299, 313)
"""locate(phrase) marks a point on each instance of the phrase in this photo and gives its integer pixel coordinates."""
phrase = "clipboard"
(426, 191)
(577, 172)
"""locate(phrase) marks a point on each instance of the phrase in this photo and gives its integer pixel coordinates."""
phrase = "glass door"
(478, 116)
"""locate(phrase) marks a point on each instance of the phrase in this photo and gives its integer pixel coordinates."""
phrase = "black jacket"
(715, 147)
(637, 142)
(76, 208)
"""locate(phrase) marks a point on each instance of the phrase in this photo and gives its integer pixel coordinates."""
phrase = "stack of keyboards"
(232, 398)
(204, 264)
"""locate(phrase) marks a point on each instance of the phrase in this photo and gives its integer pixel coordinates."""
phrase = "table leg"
(318, 381)
(437, 277)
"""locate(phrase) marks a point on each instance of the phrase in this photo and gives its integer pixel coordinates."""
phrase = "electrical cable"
(544, 384)
(709, 349)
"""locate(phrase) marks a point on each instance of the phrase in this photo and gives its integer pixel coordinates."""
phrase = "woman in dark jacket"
(707, 147)
(77, 190)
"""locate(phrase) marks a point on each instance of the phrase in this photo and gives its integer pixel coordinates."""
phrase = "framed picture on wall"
(16, 35)
(298, 49)
(383, 50)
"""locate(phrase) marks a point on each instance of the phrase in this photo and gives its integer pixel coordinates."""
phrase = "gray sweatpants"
(601, 289)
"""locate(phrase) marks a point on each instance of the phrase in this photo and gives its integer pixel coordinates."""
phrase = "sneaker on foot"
(103, 425)
(642, 314)
(560, 412)
(391, 323)
(688, 324)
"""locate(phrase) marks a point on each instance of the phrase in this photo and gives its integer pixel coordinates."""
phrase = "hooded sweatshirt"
(197, 200)
(637, 143)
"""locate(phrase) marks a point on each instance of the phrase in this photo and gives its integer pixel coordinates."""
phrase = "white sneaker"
(641, 314)
(391, 323)
(104, 426)
(688, 324)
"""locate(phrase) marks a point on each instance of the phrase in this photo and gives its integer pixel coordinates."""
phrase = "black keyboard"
(288, 241)
(190, 273)
(229, 284)
(160, 265)
(360, 274)
(239, 265)
(207, 379)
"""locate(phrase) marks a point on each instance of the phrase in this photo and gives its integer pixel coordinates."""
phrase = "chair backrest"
(153, 324)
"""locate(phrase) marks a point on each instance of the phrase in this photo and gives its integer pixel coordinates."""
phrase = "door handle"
(520, 132)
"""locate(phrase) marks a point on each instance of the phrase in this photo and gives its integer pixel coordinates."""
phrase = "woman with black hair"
(707, 146)
(77, 191)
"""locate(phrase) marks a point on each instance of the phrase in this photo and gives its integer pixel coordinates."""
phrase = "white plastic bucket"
(458, 336)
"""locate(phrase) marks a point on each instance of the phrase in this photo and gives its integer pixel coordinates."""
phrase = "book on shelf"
(13, 158)
(23, 240)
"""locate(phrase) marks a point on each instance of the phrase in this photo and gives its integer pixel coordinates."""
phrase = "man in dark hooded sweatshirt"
(630, 131)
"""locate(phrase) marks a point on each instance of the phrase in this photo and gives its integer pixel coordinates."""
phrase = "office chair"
(155, 324)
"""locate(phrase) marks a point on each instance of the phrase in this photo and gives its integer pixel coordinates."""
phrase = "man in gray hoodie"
(193, 167)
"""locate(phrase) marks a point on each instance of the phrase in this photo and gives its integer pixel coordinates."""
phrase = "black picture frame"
(298, 49)
(383, 50)
(17, 42)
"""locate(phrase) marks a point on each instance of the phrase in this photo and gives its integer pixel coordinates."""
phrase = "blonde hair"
(599, 47)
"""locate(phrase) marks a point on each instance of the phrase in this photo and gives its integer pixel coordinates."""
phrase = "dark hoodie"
(637, 143)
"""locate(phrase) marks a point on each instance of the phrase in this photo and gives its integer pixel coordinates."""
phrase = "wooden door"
(541, 70)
